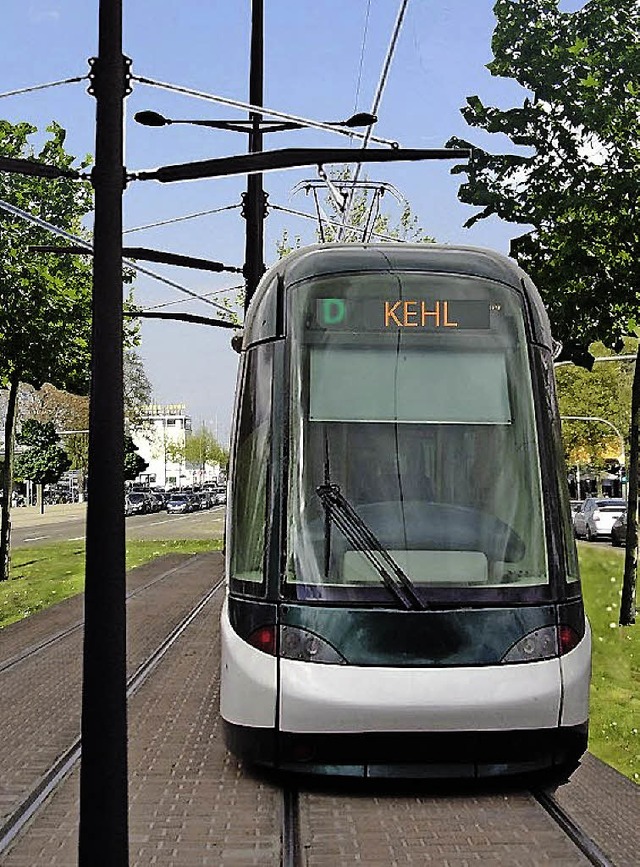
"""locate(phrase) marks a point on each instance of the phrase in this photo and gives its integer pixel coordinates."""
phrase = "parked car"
(619, 531)
(128, 506)
(597, 517)
(180, 503)
(576, 506)
(220, 495)
(139, 502)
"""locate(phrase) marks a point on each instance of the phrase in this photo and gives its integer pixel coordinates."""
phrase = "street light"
(255, 199)
(154, 118)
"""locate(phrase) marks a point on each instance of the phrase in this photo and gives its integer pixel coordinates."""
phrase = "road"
(67, 523)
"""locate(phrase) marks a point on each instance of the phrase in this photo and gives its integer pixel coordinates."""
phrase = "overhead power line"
(376, 102)
(180, 219)
(44, 86)
(43, 224)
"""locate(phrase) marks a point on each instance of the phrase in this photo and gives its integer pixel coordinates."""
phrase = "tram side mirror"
(236, 341)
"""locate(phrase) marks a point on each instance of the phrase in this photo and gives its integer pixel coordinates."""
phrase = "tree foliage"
(134, 463)
(604, 392)
(45, 301)
(137, 388)
(578, 184)
(199, 450)
(44, 461)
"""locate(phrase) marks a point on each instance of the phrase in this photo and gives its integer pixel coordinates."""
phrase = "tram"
(403, 592)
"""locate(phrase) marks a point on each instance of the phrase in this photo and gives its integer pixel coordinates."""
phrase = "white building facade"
(162, 426)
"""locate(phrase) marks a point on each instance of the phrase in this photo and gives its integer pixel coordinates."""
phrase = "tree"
(603, 392)
(45, 301)
(137, 388)
(134, 463)
(578, 185)
(198, 451)
(45, 460)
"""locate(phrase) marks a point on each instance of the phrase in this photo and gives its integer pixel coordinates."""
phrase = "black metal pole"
(103, 778)
(254, 205)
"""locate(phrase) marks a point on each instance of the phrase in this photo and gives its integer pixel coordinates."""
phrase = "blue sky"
(312, 65)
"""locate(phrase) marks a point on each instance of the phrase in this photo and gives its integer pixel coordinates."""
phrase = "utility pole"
(103, 778)
(254, 210)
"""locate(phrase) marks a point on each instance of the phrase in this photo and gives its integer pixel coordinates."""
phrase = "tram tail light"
(264, 639)
(568, 638)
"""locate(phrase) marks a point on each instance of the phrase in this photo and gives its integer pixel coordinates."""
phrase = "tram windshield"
(413, 441)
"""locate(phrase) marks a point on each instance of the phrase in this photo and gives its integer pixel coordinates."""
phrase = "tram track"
(572, 829)
(291, 855)
(39, 646)
(60, 769)
(294, 846)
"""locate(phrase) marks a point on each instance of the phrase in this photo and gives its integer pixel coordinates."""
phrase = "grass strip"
(615, 683)
(46, 574)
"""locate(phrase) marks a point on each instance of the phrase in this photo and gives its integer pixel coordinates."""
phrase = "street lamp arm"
(260, 109)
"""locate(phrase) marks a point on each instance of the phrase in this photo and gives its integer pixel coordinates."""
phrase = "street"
(66, 522)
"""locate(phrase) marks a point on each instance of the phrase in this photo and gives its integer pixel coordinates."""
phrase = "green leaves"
(577, 184)
(45, 300)
(45, 461)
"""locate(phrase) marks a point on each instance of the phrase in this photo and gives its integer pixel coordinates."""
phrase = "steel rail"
(58, 636)
(291, 850)
(587, 846)
(66, 762)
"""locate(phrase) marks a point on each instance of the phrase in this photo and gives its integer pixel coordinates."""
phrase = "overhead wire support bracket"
(183, 317)
(39, 170)
(159, 256)
(289, 158)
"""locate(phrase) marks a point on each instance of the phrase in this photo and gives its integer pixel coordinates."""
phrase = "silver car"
(597, 516)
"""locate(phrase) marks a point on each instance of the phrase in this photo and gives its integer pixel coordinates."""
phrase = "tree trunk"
(40, 496)
(7, 479)
(628, 601)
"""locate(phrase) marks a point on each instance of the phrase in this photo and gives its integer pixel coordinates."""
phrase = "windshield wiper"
(339, 510)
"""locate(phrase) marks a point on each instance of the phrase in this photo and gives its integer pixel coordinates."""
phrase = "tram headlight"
(305, 646)
(544, 643)
(539, 644)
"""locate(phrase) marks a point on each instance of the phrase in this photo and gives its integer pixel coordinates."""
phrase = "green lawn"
(615, 686)
(44, 575)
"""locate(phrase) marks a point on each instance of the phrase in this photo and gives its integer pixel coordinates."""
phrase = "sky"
(323, 60)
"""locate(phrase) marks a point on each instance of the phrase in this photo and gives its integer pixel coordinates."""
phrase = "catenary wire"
(182, 300)
(44, 86)
(364, 42)
(180, 219)
(376, 103)
(43, 224)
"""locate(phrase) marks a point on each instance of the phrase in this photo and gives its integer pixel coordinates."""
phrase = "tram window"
(351, 384)
(249, 496)
(429, 436)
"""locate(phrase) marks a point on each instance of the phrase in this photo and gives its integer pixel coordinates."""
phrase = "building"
(162, 430)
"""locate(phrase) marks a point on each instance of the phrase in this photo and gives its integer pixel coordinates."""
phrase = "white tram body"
(403, 591)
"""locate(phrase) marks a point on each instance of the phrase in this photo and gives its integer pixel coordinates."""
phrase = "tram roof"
(320, 260)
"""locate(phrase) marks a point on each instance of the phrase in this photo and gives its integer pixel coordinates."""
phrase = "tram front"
(421, 598)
